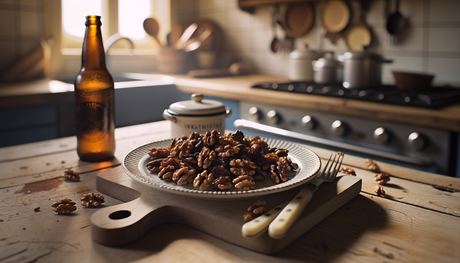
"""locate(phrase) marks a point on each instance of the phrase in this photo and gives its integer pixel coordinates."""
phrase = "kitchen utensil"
(176, 33)
(236, 69)
(358, 36)
(409, 81)
(283, 222)
(152, 28)
(135, 162)
(328, 70)
(275, 44)
(179, 44)
(171, 60)
(298, 19)
(362, 69)
(214, 41)
(335, 16)
(300, 64)
(147, 207)
(395, 24)
(196, 115)
(195, 43)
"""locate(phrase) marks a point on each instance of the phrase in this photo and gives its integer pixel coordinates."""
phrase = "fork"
(286, 218)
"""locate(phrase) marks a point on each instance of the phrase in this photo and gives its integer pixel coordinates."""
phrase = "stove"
(417, 147)
(435, 97)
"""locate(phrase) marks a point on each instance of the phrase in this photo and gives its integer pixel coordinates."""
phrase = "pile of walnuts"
(219, 161)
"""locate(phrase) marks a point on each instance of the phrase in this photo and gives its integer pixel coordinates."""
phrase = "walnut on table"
(92, 200)
(71, 175)
(371, 165)
(64, 206)
(382, 178)
(255, 210)
(378, 190)
(347, 170)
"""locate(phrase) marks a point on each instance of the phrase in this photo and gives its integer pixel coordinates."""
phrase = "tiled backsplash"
(21, 26)
(430, 43)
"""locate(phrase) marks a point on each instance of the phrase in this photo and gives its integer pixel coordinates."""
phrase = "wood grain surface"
(417, 221)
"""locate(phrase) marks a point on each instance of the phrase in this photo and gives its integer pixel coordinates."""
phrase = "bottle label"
(92, 121)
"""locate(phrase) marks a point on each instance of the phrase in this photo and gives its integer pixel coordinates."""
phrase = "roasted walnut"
(371, 165)
(64, 206)
(382, 178)
(158, 153)
(184, 175)
(167, 172)
(227, 151)
(211, 138)
(92, 200)
(347, 170)
(206, 157)
(71, 175)
(255, 210)
(378, 190)
(222, 182)
(244, 182)
(203, 180)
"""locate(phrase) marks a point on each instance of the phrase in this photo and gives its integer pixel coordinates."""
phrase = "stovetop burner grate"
(435, 97)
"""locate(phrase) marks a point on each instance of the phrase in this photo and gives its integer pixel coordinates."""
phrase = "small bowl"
(412, 81)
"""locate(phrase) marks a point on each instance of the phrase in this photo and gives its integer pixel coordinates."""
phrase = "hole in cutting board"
(120, 214)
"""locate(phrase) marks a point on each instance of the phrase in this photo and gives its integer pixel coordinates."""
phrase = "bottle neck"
(93, 54)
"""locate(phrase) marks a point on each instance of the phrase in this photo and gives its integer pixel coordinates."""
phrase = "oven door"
(431, 152)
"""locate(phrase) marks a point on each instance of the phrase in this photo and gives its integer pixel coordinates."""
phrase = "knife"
(259, 225)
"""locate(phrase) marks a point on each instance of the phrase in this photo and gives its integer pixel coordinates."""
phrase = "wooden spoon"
(152, 28)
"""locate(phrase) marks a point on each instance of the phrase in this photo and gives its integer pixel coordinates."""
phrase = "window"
(124, 17)
(64, 19)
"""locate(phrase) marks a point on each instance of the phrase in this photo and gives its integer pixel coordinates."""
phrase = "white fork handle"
(256, 227)
(283, 222)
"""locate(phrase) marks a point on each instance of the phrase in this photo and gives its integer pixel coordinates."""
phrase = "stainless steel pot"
(300, 64)
(196, 115)
(328, 70)
(362, 70)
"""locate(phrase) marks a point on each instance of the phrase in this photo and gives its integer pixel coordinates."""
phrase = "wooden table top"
(417, 221)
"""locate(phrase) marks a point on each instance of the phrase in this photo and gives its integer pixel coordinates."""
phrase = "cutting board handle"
(124, 223)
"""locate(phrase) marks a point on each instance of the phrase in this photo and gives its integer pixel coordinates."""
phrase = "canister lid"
(197, 106)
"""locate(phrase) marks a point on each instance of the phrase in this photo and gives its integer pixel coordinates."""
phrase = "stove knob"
(417, 141)
(309, 122)
(339, 128)
(381, 135)
(254, 114)
(273, 117)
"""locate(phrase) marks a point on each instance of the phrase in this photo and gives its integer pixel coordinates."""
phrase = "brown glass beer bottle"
(94, 98)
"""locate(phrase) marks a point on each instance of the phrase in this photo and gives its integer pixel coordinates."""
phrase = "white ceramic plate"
(309, 163)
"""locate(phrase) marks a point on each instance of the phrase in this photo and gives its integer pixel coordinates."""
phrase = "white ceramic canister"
(300, 64)
(196, 115)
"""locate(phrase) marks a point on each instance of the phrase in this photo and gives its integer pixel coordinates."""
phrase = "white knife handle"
(258, 225)
(283, 222)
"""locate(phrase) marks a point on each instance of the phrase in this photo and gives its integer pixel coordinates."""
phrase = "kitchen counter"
(417, 221)
(239, 88)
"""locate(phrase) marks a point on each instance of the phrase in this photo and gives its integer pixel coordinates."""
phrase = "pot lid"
(362, 55)
(304, 53)
(197, 106)
(327, 61)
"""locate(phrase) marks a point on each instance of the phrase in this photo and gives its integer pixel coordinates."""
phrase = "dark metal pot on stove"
(362, 69)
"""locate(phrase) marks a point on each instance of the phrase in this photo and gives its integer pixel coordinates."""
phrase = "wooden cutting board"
(146, 208)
